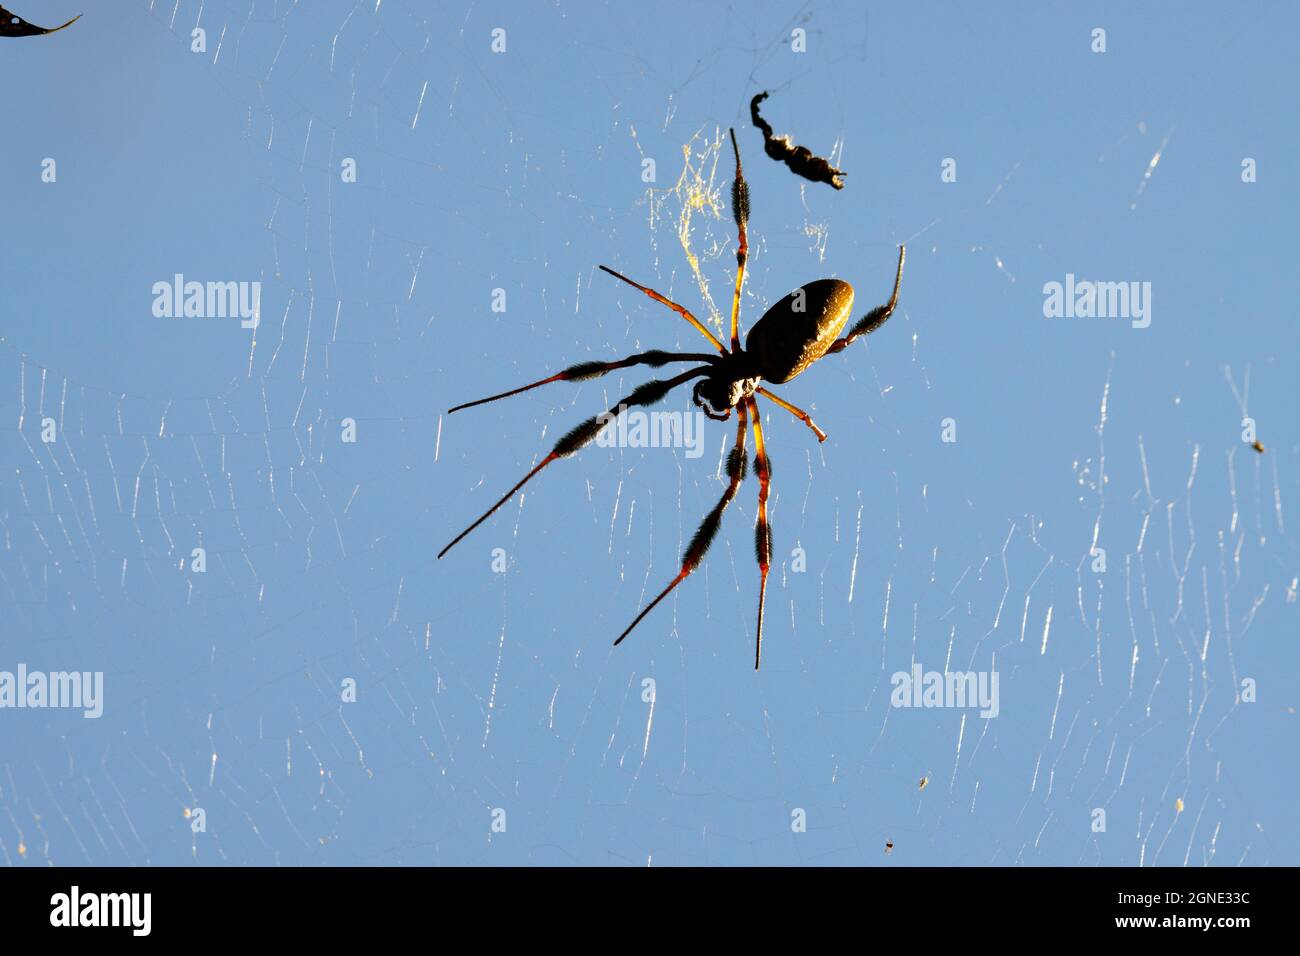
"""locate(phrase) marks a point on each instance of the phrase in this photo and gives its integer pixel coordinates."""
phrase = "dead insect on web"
(12, 26)
(1258, 446)
(800, 159)
(793, 334)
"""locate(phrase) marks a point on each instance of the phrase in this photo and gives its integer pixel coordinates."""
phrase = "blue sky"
(485, 696)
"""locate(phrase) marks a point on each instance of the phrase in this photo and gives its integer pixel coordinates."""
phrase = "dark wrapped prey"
(799, 158)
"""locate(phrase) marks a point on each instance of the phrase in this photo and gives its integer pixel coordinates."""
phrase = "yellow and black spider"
(792, 335)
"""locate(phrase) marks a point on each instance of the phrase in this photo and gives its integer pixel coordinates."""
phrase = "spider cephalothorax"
(792, 335)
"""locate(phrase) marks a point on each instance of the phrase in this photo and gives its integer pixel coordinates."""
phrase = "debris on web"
(800, 159)
(697, 192)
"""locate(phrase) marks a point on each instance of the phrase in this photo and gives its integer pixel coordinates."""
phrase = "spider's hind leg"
(739, 212)
(762, 530)
(876, 317)
(708, 529)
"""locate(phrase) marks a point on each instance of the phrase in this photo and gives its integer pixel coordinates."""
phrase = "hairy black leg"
(708, 528)
(876, 317)
(583, 371)
(585, 433)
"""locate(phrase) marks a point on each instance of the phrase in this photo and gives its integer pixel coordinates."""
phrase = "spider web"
(493, 723)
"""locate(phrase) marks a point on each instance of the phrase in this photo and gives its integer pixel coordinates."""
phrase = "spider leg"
(584, 434)
(587, 370)
(708, 528)
(762, 530)
(876, 317)
(740, 211)
(681, 310)
(796, 411)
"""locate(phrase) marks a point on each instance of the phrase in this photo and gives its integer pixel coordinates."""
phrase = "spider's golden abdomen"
(798, 330)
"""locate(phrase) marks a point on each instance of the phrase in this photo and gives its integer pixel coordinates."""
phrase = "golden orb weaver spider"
(790, 336)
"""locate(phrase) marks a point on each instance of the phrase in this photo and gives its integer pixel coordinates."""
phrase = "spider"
(795, 332)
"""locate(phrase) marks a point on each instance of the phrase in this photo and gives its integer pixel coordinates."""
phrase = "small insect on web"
(793, 334)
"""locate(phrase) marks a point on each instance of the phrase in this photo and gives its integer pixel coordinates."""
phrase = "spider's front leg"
(739, 212)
